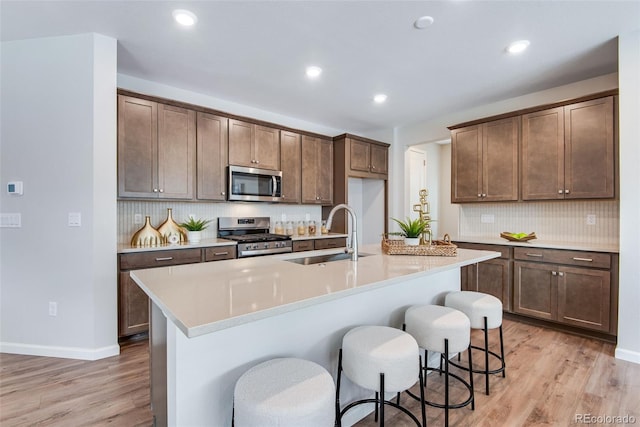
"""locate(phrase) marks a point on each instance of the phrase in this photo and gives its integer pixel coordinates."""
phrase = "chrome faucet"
(353, 250)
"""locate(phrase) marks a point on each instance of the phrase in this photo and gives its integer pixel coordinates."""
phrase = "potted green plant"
(411, 230)
(194, 228)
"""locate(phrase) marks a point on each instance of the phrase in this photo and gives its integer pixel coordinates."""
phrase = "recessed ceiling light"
(313, 72)
(423, 22)
(518, 46)
(185, 17)
(380, 98)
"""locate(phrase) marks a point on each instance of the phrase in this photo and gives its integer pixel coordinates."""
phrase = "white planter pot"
(194, 236)
(412, 241)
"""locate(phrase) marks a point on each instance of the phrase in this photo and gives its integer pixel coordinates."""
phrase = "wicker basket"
(437, 248)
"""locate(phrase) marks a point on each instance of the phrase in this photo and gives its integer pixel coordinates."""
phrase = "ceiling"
(255, 52)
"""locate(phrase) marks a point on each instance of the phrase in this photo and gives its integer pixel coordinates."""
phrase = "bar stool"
(442, 330)
(284, 392)
(484, 312)
(382, 359)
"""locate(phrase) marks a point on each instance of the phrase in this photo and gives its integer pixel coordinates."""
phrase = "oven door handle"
(274, 186)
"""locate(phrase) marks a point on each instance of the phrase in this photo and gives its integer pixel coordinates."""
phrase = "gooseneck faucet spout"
(354, 227)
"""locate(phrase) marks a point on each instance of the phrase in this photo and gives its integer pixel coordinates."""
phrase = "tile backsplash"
(558, 221)
(181, 211)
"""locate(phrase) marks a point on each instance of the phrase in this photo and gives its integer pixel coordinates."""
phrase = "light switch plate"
(11, 220)
(75, 219)
(487, 218)
(591, 219)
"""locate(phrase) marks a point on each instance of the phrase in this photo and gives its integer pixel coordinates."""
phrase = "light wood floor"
(551, 377)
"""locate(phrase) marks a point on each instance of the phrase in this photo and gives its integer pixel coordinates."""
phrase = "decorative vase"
(412, 241)
(194, 236)
(171, 232)
(146, 236)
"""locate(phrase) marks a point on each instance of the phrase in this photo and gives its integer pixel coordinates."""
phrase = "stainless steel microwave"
(254, 185)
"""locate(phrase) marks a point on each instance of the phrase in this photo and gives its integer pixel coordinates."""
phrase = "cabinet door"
(290, 160)
(212, 156)
(589, 149)
(535, 290)
(500, 160)
(133, 311)
(266, 148)
(543, 155)
(309, 169)
(359, 155)
(379, 159)
(176, 152)
(324, 183)
(240, 143)
(137, 147)
(466, 164)
(491, 277)
(584, 297)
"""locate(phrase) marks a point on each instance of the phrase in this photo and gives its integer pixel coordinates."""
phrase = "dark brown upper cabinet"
(484, 162)
(568, 152)
(317, 171)
(253, 145)
(367, 159)
(290, 162)
(212, 145)
(156, 150)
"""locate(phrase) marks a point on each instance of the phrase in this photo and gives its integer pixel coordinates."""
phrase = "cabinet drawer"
(159, 258)
(302, 245)
(505, 251)
(558, 256)
(219, 253)
(339, 242)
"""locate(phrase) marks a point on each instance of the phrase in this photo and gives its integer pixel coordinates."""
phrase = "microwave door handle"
(274, 186)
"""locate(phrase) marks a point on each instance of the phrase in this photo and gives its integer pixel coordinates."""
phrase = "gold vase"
(146, 236)
(170, 231)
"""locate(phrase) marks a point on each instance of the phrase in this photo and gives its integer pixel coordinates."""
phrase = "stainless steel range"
(253, 237)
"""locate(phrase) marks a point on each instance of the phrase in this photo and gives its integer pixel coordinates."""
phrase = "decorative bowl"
(512, 236)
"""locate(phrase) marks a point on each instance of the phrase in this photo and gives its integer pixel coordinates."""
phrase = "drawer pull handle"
(575, 258)
(166, 258)
(220, 253)
(535, 255)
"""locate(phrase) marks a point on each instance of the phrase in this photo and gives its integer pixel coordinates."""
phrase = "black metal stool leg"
(381, 401)
(375, 417)
(446, 383)
(502, 354)
(338, 422)
(473, 397)
(422, 387)
(486, 356)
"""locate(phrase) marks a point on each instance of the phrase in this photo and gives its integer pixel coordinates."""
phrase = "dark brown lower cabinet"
(570, 295)
(317, 244)
(133, 303)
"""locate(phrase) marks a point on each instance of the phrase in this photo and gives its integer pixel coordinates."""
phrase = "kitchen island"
(210, 322)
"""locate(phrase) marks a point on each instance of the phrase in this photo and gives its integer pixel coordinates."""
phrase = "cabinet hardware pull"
(479, 195)
(220, 253)
(162, 190)
(484, 194)
(553, 273)
(257, 162)
(560, 191)
(575, 258)
(222, 193)
(155, 190)
(566, 191)
(535, 255)
(166, 258)
(560, 273)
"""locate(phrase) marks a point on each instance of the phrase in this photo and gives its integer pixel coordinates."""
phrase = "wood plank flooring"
(551, 378)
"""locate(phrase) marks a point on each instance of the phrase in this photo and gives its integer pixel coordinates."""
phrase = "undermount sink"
(321, 259)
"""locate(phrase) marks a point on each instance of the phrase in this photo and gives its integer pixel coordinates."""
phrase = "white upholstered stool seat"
(485, 313)
(442, 330)
(285, 392)
(382, 359)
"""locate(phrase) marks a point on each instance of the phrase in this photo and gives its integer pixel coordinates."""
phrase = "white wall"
(59, 138)
(629, 316)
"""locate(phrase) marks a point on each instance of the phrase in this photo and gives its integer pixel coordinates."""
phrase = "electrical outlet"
(75, 219)
(137, 219)
(53, 308)
(591, 219)
(487, 218)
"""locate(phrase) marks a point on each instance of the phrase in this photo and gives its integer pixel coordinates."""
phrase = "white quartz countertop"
(211, 296)
(542, 243)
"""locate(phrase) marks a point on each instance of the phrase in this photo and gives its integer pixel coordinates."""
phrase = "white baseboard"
(63, 352)
(628, 355)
